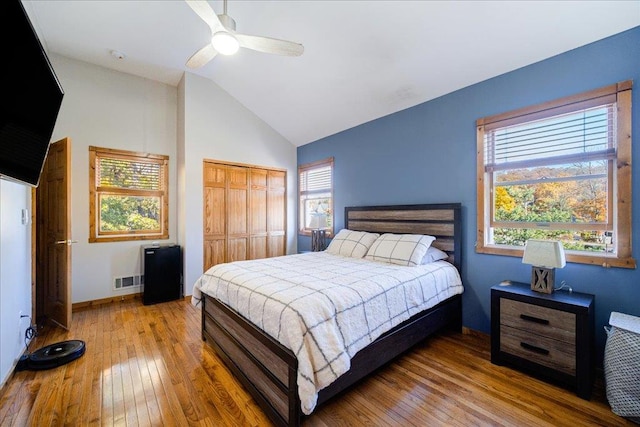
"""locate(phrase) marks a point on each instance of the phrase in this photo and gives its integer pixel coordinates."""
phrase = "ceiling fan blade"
(269, 45)
(202, 56)
(204, 11)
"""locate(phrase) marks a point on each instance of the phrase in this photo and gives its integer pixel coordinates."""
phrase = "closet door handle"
(534, 319)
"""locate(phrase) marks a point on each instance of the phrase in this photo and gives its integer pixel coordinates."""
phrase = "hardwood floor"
(147, 366)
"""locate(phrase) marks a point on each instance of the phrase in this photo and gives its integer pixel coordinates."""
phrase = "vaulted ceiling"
(362, 59)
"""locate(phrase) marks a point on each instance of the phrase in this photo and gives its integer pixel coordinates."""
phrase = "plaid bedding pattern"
(324, 307)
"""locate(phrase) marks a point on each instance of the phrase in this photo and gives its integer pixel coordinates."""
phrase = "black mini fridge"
(162, 270)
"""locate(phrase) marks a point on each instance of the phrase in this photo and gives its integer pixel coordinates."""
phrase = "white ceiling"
(362, 60)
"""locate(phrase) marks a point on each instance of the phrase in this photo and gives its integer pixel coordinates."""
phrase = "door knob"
(66, 242)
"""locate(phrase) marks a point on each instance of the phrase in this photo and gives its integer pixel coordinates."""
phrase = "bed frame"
(268, 370)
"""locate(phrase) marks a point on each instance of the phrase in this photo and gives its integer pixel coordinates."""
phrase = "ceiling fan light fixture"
(225, 43)
(225, 40)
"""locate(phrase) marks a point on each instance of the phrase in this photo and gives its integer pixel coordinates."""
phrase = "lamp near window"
(544, 256)
(318, 224)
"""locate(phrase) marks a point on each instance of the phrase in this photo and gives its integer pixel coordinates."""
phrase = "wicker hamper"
(622, 365)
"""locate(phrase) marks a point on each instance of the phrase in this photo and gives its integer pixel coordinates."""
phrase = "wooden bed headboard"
(443, 221)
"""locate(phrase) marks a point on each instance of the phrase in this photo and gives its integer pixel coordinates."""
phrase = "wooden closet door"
(258, 213)
(276, 213)
(237, 214)
(244, 213)
(215, 214)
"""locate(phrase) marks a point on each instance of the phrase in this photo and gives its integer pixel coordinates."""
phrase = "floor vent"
(127, 282)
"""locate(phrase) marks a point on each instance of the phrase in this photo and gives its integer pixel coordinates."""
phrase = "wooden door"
(244, 213)
(276, 213)
(258, 213)
(237, 218)
(53, 228)
(215, 214)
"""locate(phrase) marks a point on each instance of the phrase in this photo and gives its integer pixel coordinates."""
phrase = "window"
(562, 171)
(128, 195)
(316, 196)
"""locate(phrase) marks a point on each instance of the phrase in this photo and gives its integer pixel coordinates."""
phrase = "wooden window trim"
(329, 161)
(96, 191)
(623, 258)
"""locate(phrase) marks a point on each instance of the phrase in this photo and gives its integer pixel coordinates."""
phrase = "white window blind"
(579, 137)
(316, 180)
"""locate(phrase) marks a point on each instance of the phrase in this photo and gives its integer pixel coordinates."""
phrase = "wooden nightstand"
(549, 336)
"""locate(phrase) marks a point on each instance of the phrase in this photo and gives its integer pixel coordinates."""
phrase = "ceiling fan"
(226, 41)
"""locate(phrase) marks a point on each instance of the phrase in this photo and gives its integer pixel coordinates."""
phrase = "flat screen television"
(30, 100)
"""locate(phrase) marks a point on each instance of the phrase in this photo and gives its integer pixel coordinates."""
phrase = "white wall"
(111, 109)
(15, 273)
(217, 127)
(195, 121)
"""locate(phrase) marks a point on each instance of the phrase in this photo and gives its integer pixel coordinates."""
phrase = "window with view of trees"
(561, 171)
(127, 195)
(315, 186)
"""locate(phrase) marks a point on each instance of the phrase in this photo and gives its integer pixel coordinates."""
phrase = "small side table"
(550, 336)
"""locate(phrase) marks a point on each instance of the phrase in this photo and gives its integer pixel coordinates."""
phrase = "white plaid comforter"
(325, 307)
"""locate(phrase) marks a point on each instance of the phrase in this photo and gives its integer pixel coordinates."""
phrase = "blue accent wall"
(427, 154)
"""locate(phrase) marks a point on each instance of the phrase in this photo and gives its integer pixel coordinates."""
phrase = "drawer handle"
(534, 319)
(534, 348)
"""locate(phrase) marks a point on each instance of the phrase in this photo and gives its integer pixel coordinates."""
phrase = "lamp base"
(318, 240)
(542, 279)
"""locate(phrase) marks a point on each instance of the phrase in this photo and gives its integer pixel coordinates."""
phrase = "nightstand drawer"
(555, 324)
(538, 349)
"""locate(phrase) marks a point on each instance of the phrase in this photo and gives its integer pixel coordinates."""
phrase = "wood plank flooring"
(147, 366)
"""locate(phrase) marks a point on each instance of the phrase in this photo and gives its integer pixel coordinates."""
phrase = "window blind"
(129, 173)
(315, 181)
(582, 136)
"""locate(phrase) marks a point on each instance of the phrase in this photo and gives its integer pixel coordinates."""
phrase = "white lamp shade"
(318, 221)
(544, 253)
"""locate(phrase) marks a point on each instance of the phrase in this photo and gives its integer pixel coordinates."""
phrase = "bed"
(288, 371)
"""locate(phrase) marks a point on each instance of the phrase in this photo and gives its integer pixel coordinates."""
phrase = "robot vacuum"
(53, 355)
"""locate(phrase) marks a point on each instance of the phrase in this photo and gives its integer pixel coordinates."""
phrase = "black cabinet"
(546, 335)
(162, 269)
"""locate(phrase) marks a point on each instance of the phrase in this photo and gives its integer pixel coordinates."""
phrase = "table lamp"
(544, 256)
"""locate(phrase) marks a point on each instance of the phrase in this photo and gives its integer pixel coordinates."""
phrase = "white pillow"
(401, 249)
(351, 243)
(434, 254)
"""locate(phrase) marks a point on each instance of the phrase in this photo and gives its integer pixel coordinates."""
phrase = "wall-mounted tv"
(31, 98)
